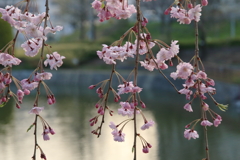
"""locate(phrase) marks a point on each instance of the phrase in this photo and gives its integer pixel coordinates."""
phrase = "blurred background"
(81, 37)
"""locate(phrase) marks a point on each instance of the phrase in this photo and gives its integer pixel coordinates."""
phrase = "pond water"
(73, 140)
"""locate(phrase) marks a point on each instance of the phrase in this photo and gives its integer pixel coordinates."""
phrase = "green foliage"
(5, 32)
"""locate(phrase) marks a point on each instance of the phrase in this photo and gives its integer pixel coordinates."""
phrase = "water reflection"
(70, 119)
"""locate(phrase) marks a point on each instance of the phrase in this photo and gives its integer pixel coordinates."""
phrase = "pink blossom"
(194, 13)
(112, 125)
(32, 46)
(206, 123)
(33, 31)
(205, 89)
(32, 18)
(210, 82)
(217, 120)
(52, 29)
(8, 60)
(186, 91)
(201, 75)
(27, 84)
(128, 87)
(43, 76)
(54, 60)
(188, 107)
(174, 49)
(36, 110)
(184, 70)
(190, 133)
(113, 8)
(118, 135)
(148, 64)
(148, 124)
(97, 5)
(163, 55)
(126, 109)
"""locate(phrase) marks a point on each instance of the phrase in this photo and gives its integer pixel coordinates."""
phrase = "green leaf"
(30, 127)
(133, 148)
(222, 107)
(103, 5)
(3, 104)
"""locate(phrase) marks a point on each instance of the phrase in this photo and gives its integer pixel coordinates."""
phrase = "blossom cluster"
(8, 60)
(113, 8)
(110, 54)
(29, 25)
(185, 17)
(165, 54)
(193, 80)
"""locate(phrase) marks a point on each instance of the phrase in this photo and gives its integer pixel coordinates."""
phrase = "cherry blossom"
(194, 13)
(8, 60)
(183, 71)
(112, 125)
(190, 133)
(43, 76)
(217, 120)
(118, 135)
(126, 109)
(52, 29)
(128, 87)
(206, 123)
(188, 107)
(149, 64)
(29, 85)
(113, 8)
(32, 46)
(36, 110)
(54, 60)
(183, 16)
(147, 124)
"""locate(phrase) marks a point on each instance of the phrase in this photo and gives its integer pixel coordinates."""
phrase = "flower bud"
(190, 5)
(50, 101)
(204, 2)
(167, 11)
(26, 92)
(145, 149)
(91, 87)
(18, 106)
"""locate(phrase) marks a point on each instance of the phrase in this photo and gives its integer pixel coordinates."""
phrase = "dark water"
(69, 117)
